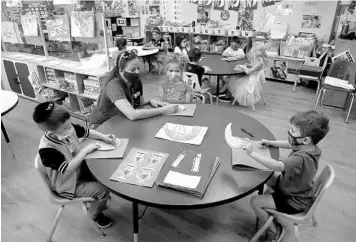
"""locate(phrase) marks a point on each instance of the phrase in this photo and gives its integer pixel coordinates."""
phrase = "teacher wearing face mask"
(122, 92)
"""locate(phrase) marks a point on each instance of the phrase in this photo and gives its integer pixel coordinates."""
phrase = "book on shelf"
(183, 178)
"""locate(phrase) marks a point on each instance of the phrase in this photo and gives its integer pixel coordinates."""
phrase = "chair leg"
(295, 84)
(55, 223)
(318, 98)
(350, 107)
(322, 97)
(315, 222)
(91, 221)
(262, 229)
(296, 233)
(318, 88)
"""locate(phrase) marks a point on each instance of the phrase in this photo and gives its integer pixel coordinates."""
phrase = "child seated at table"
(157, 42)
(247, 90)
(193, 67)
(234, 49)
(174, 90)
(293, 183)
(59, 151)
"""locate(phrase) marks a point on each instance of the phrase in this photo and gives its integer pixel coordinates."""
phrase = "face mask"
(174, 76)
(132, 76)
(65, 135)
(293, 140)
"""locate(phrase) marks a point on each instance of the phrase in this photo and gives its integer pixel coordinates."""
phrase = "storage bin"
(295, 50)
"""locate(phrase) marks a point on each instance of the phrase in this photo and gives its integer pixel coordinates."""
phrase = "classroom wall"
(326, 9)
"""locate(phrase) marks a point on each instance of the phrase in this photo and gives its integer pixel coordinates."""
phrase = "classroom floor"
(27, 214)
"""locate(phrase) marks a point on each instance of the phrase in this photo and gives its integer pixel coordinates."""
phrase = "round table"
(227, 185)
(9, 100)
(221, 68)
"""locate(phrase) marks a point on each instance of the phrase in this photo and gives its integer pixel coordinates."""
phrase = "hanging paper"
(121, 22)
(132, 8)
(194, 1)
(203, 15)
(82, 23)
(135, 22)
(284, 9)
(267, 22)
(9, 34)
(207, 3)
(266, 3)
(234, 5)
(245, 19)
(29, 25)
(219, 4)
(58, 28)
(250, 4)
(279, 30)
(311, 21)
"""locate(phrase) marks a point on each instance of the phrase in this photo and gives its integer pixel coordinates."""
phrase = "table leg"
(260, 192)
(217, 89)
(135, 220)
(4, 132)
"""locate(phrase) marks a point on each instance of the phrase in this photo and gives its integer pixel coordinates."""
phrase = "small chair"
(344, 70)
(312, 71)
(55, 199)
(193, 81)
(322, 183)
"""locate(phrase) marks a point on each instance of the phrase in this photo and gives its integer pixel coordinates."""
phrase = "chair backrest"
(192, 80)
(322, 183)
(344, 70)
(42, 170)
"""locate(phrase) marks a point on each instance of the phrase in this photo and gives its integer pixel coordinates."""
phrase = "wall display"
(121, 22)
(58, 28)
(250, 4)
(311, 21)
(29, 25)
(219, 4)
(177, 11)
(207, 3)
(194, 1)
(234, 5)
(245, 19)
(279, 69)
(135, 22)
(132, 8)
(203, 14)
(154, 10)
(144, 10)
(9, 33)
(225, 15)
(266, 3)
(82, 24)
(284, 9)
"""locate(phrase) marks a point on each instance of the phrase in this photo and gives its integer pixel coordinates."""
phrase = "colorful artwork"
(284, 9)
(140, 167)
(266, 3)
(311, 21)
(234, 5)
(219, 4)
(29, 25)
(245, 19)
(132, 8)
(58, 28)
(82, 24)
(279, 69)
(9, 33)
(203, 14)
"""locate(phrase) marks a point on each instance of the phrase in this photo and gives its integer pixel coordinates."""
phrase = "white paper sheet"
(182, 133)
(182, 180)
(338, 83)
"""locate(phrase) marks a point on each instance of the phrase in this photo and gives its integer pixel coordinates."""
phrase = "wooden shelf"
(59, 89)
(95, 98)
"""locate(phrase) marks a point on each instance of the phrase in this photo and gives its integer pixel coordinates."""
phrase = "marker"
(244, 130)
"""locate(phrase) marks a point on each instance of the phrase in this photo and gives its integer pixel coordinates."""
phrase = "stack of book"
(91, 86)
(51, 79)
(185, 179)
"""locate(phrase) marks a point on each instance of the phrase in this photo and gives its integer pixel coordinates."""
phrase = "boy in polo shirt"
(59, 150)
(293, 186)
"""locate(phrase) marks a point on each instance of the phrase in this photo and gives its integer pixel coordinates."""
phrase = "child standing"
(174, 90)
(247, 90)
(157, 42)
(59, 151)
(182, 47)
(294, 183)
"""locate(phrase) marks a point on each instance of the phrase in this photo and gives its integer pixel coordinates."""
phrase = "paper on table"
(182, 180)
(188, 110)
(116, 153)
(182, 133)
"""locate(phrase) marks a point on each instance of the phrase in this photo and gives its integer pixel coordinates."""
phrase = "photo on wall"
(279, 69)
(311, 21)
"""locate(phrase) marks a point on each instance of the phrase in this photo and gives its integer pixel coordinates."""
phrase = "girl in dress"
(174, 90)
(247, 90)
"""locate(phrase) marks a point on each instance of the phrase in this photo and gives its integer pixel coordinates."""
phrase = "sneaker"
(102, 221)
(274, 236)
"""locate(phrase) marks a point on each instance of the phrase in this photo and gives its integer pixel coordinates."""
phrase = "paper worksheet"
(182, 180)
(185, 110)
(182, 133)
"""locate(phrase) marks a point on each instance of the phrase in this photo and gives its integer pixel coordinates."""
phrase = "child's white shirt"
(229, 52)
(183, 52)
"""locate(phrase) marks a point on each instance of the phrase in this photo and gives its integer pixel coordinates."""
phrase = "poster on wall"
(194, 1)
(9, 33)
(177, 14)
(279, 69)
(245, 19)
(284, 9)
(251, 4)
(58, 28)
(311, 21)
(266, 3)
(207, 3)
(82, 24)
(29, 25)
(234, 5)
(132, 8)
(203, 14)
(219, 4)
(154, 10)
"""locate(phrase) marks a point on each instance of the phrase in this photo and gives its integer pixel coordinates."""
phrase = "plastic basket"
(295, 51)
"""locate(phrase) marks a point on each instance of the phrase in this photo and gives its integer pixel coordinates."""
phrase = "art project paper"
(106, 150)
(82, 24)
(284, 9)
(182, 133)
(219, 4)
(9, 34)
(29, 25)
(185, 110)
(245, 19)
(311, 21)
(58, 28)
(140, 167)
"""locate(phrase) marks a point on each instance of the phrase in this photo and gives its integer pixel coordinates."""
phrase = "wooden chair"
(322, 183)
(193, 81)
(312, 70)
(343, 70)
(55, 199)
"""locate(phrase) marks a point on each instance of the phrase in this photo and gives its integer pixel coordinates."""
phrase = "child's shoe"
(274, 236)
(102, 221)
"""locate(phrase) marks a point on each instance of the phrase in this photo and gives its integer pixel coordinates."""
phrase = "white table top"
(8, 101)
(141, 52)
